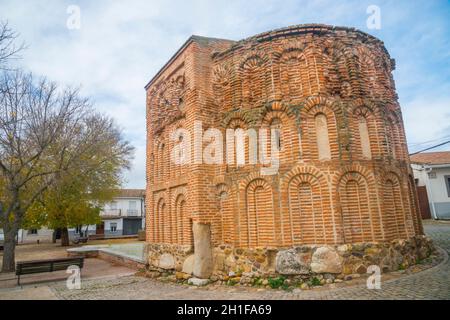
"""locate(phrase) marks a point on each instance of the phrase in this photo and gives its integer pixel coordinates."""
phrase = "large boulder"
(166, 261)
(326, 260)
(203, 255)
(290, 262)
(188, 265)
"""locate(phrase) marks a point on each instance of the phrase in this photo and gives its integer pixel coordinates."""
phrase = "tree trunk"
(65, 237)
(54, 236)
(9, 249)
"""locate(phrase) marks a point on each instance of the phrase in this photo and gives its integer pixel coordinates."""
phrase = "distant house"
(125, 215)
(432, 173)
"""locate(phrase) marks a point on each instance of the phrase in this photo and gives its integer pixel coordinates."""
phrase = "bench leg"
(18, 280)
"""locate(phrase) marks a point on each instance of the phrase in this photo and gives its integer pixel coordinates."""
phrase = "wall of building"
(123, 206)
(344, 174)
(43, 235)
(119, 229)
(433, 177)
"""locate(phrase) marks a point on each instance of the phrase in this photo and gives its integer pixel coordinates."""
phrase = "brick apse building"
(343, 197)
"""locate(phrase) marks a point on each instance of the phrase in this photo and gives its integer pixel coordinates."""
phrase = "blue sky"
(122, 44)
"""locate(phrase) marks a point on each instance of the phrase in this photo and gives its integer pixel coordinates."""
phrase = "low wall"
(106, 253)
(304, 261)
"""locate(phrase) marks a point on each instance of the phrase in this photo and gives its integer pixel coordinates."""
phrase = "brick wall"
(344, 174)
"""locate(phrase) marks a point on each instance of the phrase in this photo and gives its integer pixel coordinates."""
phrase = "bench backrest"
(38, 266)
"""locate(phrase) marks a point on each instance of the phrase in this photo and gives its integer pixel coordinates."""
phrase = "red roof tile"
(130, 193)
(442, 157)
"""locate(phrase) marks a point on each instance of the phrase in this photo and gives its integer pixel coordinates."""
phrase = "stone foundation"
(168, 256)
(296, 262)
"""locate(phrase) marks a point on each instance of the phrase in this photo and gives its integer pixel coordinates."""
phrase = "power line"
(438, 145)
(427, 142)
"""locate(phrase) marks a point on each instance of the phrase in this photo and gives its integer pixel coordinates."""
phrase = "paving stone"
(431, 283)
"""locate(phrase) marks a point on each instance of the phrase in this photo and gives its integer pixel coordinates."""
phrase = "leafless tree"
(44, 132)
(9, 48)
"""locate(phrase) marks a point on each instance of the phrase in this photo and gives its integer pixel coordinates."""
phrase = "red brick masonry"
(344, 175)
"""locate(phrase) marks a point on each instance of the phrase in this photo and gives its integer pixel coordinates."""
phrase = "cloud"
(121, 45)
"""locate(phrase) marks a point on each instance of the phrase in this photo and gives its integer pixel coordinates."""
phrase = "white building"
(125, 215)
(432, 171)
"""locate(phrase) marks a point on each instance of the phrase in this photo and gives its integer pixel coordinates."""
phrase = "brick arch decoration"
(163, 156)
(222, 81)
(307, 215)
(223, 220)
(236, 118)
(344, 84)
(181, 219)
(292, 74)
(175, 169)
(160, 219)
(166, 96)
(366, 63)
(237, 122)
(375, 71)
(362, 109)
(150, 174)
(290, 144)
(333, 113)
(398, 219)
(414, 205)
(255, 81)
(358, 204)
(256, 213)
(396, 134)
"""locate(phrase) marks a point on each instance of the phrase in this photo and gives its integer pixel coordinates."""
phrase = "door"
(100, 228)
(424, 205)
(131, 226)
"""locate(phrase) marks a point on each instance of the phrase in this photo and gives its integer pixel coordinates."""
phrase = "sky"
(120, 45)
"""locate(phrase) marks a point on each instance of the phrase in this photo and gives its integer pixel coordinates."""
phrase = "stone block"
(203, 257)
(166, 261)
(198, 282)
(326, 260)
(289, 262)
(188, 265)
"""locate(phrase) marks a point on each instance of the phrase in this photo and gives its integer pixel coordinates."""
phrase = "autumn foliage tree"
(77, 194)
(48, 134)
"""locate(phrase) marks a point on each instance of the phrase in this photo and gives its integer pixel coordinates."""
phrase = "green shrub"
(315, 282)
(257, 282)
(276, 283)
(231, 282)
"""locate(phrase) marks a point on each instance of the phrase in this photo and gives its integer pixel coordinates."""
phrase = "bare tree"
(8, 45)
(44, 132)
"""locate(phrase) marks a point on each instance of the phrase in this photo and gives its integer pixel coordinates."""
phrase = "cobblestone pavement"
(433, 283)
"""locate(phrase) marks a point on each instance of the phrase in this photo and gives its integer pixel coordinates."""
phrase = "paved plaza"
(433, 283)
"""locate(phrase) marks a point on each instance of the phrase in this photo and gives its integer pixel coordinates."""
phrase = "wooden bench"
(40, 266)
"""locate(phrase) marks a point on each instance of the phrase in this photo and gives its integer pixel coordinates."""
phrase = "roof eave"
(168, 63)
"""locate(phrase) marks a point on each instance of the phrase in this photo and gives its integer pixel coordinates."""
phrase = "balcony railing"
(120, 213)
(111, 212)
(133, 213)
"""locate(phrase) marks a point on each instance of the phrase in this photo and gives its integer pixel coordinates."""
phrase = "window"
(447, 184)
(113, 226)
(276, 131)
(132, 208)
(32, 231)
(323, 142)
(113, 205)
(364, 137)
